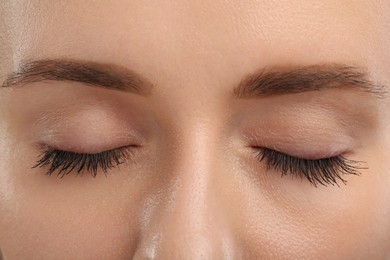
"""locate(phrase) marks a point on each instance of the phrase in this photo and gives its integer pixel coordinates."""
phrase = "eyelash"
(64, 162)
(322, 171)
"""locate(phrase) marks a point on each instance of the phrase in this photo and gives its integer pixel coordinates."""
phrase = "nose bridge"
(190, 222)
(193, 227)
(195, 171)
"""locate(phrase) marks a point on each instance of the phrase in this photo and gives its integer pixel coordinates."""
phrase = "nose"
(190, 221)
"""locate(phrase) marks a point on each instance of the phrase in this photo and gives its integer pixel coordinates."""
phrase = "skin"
(194, 190)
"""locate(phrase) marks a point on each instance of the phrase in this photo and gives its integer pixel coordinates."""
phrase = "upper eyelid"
(45, 148)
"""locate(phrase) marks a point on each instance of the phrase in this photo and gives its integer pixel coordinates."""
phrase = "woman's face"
(234, 124)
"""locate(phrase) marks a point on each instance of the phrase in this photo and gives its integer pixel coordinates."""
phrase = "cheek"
(101, 218)
(292, 220)
(80, 218)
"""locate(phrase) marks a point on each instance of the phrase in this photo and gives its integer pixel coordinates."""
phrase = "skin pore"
(193, 93)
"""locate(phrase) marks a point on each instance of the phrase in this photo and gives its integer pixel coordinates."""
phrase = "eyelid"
(92, 128)
(75, 145)
(300, 145)
(90, 140)
(300, 132)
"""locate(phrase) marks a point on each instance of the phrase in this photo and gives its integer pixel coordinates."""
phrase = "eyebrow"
(264, 83)
(94, 74)
(298, 79)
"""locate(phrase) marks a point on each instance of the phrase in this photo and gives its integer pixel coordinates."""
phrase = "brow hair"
(280, 80)
(90, 73)
(292, 80)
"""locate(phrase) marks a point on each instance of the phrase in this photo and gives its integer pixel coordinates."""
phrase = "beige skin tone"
(195, 189)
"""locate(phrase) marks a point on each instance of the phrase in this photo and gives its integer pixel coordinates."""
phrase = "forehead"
(212, 37)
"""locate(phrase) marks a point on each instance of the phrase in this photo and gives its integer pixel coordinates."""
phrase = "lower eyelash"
(64, 162)
(322, 171)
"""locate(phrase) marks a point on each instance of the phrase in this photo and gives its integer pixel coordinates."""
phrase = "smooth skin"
(195, 189)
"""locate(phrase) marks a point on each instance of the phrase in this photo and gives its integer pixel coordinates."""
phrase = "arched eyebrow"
(266, 82)
(94, 74)
(299, 79)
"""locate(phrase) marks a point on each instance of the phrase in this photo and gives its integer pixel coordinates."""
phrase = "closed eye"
(65, 162)
(322, 171)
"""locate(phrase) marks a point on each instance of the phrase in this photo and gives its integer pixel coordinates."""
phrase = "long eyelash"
(64, 162)
(323, 171)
